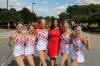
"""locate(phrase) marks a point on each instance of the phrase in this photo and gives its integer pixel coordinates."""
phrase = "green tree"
(27, 15)
(48, 18)
(62, 16)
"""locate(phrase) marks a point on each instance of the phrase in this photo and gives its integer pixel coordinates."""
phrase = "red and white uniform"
(64, 44)
(76, 52)
(29, 48)
(18, 46)
(42, 40)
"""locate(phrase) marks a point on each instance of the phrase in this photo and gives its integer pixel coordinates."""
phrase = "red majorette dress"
(19, 46)
(30, 42)
(53, 44)
(76, 52)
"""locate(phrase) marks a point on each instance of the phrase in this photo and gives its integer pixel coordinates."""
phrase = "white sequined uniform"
(18, 46)
(76, 52)
(64, 44)
(42, 41)
(29, 49)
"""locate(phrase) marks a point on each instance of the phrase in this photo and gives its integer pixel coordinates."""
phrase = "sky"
(45, 7)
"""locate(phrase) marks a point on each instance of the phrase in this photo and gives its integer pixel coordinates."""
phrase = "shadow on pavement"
(36, 59)
(13, 63)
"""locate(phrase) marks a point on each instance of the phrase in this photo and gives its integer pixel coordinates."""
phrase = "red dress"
(53, 44)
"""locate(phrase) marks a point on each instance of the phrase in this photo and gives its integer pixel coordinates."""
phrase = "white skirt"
(29, 51)
(64, 48)
(41, 45)
(18, 51)
(78, 56)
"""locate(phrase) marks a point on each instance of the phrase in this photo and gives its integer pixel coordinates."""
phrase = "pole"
(7, 4)
(32, 6)
(1, 4)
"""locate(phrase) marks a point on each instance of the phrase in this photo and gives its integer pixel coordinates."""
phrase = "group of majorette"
(69, 43)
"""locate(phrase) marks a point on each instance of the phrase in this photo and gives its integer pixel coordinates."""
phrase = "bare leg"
(53, 61)
(66, 62)
(19, 61)
(39, 59)
(30, 60)
(74, 63)
(63, 59)
(42, 58)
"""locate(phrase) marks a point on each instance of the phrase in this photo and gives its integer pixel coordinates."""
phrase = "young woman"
(42, 37)
(29, 48)
(53, 44)
(64, 44)
(17, 39)
(77, 43)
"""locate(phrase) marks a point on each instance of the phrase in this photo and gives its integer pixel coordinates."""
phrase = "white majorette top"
(30, 41)
(19, 46)
(65, 39)
(76, 51)
(42, 36)
(64, 44)
(19, 41)
(42, 40)
(77, 45)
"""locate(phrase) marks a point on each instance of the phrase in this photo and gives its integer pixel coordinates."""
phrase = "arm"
(86, 42)
(11, 42)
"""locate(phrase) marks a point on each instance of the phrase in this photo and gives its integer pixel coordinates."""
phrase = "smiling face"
(55, 23)
(19, 27)
(78, 31)
(43, 23)
(31, 29)
(65, 25)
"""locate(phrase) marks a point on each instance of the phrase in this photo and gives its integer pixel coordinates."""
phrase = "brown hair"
(29, 26)
(20, 23)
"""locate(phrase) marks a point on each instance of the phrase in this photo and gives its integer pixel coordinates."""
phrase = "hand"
(86, 40)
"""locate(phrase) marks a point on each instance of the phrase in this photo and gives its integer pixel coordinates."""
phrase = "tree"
(62, 16)
(85, 13)
(95, 18)
(48, 18)
(28, 16)
(40, 17)
(52, 18)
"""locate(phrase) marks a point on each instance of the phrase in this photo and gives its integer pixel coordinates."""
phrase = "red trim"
(42, 50)
(29, 54)
(63, 38)
(19, 55)
(64, 52)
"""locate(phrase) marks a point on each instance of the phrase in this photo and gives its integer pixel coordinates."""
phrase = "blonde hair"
(42, 20)
(65, 22)
(77, 26)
